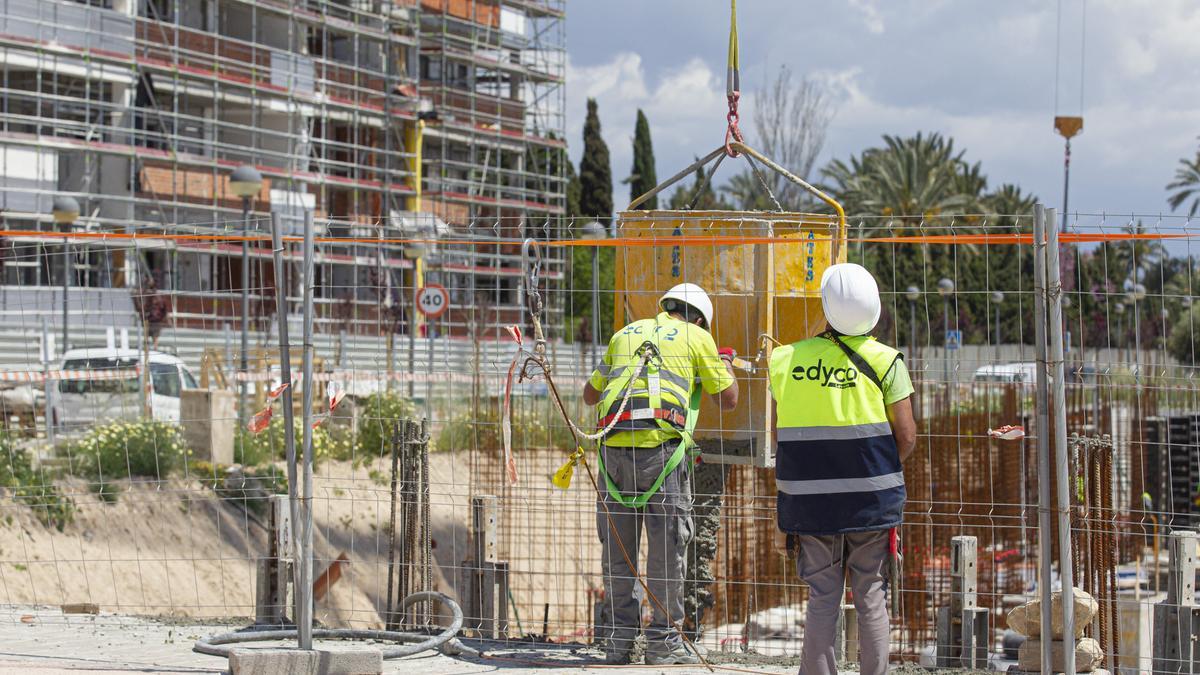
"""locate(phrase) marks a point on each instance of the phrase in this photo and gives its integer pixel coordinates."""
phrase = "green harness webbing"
(686, 441)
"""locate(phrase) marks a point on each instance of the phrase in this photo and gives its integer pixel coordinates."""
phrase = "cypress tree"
(595, 171)
(643, 178)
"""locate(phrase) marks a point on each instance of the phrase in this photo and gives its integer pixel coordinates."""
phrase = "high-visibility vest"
(661, 398)
(837, 468)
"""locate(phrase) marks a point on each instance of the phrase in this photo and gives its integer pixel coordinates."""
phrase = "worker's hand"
(727, 354)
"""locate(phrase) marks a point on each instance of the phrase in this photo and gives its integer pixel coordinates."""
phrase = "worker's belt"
(639, 415)
(673, 417)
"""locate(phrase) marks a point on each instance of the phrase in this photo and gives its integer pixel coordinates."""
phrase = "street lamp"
(65, 210)
(913, 294)
(945, 289)
(246, 182)
(594, 231)
(1134, 293)
(1119, 308)
(997, 299)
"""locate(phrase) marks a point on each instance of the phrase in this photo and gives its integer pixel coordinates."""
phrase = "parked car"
(84, 401)
(1022, 373)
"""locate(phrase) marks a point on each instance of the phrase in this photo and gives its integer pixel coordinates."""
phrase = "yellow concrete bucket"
(760, 286)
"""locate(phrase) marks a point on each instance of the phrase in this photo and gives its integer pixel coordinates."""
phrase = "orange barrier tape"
(623, 242)
(88, 375)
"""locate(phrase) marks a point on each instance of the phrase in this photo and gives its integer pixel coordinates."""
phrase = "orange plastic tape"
(666, 240)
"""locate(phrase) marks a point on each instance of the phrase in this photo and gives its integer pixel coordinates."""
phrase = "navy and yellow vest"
(837, 468)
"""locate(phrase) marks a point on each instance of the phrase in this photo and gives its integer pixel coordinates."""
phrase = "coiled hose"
(412, 643)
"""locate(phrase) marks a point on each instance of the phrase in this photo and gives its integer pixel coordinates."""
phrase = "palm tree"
(1186, 185)
(909, 178)
(747, 193)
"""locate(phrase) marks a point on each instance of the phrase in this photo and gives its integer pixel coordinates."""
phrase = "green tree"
(1186, 185)
(595, 203)
(643, 177)
(595, 171)
(924, 185)
(700, 196)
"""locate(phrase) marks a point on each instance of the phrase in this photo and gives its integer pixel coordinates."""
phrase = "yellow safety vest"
(837, 468)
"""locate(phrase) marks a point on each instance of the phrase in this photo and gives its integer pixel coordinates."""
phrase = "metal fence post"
(285, 376)
(1058, 381)
(304, 617)
(1042, 439)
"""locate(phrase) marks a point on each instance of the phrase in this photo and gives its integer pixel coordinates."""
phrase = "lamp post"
(246, 182)
(997, 299)
(945, 289)
(1135, 293)
(912, 293)
(594, 231)
(66, 211)
(1119, 308)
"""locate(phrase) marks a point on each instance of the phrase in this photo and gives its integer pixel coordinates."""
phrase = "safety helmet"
(850, 298)
(692, 295)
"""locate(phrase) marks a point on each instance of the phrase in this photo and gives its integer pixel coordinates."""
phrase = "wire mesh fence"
(143, 463)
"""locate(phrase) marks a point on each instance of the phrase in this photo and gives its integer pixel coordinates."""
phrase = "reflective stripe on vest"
(837, 467)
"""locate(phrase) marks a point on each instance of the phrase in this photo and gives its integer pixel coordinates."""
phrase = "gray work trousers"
(668, 524)
(823, 564)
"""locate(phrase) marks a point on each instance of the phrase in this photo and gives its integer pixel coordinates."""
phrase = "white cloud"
(980, 72)
(685, 106)
(870, 15)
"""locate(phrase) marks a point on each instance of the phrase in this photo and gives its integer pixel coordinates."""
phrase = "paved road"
(42, 640)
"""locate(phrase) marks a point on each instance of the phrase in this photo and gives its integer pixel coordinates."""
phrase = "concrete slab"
(271, 661)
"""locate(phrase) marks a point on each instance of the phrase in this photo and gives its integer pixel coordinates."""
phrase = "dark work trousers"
(667, 520)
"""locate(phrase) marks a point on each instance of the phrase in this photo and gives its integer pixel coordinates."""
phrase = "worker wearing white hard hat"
(844, 426)
(648, 388)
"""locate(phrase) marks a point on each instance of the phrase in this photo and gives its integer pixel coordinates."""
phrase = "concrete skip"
(306, 662)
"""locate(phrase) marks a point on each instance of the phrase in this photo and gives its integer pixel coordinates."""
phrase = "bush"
(533, 426)
(33, 486)
(268, 446)
(127, 449)
(378, 412)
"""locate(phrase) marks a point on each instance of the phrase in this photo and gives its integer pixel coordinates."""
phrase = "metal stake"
(285, 375)
(1058, 379)
(1042, 393)
(304, 616)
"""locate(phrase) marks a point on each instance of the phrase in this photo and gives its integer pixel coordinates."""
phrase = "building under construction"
(386, 119)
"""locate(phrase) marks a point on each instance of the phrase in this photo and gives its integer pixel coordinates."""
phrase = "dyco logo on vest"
(838, 378)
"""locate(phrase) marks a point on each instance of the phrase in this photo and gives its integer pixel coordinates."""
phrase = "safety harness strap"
(686, 443)
(673, 417)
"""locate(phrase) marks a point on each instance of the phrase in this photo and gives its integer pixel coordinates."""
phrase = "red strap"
(659, 414)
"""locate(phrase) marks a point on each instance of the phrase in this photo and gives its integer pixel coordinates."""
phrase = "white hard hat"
(850, 298)
(692, 295)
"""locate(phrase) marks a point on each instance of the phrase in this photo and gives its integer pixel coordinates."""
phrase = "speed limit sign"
(432, 300)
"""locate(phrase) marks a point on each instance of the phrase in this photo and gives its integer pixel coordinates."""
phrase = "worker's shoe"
(678, 655)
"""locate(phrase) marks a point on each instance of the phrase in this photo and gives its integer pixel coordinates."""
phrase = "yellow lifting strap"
(733, 78)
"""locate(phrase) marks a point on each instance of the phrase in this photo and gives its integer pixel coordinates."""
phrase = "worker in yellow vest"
(648, 388)
(844, 426)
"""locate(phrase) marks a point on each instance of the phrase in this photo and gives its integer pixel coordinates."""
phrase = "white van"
(1021, 373)
(82, 402)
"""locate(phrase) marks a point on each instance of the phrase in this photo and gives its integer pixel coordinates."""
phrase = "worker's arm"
(590, 395)
(727, 398)
(904, 427)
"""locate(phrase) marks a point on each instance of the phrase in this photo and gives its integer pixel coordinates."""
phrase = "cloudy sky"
(980, 71)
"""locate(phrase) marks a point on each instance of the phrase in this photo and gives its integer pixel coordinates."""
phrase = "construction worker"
(844, 426)
(648, 390)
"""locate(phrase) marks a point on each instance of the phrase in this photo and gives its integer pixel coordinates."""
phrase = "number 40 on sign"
(432, 300)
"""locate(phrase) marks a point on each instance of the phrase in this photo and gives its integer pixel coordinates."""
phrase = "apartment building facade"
(387, 120)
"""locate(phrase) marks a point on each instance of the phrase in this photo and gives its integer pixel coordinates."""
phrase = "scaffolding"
(389, 120)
